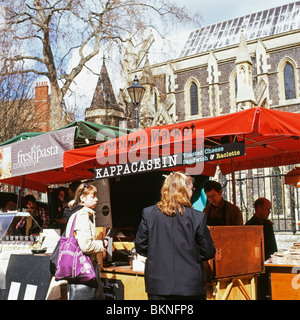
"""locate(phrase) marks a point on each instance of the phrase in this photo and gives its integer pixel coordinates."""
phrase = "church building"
(248, 61)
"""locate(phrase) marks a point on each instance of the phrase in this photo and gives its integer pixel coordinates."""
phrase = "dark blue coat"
(175, 248)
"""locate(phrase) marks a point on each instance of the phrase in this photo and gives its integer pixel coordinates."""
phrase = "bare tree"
(19, 112)
(50, 32)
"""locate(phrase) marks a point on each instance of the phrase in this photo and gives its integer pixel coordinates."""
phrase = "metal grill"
(267, 183)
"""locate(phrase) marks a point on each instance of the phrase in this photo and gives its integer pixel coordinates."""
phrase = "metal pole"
(136, 116)
(233, 182)
(19, 204)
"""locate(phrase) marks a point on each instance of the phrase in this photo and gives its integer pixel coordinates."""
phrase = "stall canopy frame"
(94, 132)
(85, 133)
(272, 138)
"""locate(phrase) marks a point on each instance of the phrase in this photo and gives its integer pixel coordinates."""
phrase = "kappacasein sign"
(206, 154)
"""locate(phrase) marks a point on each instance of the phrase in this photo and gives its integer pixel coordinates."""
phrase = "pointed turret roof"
(147, 75)
(104, 96)
(243, 52)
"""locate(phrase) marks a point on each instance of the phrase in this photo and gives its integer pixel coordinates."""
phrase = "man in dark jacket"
(262, 209)
(219, 211)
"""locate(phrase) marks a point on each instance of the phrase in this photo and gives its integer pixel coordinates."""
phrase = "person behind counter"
(39, 214)
(70, 209)
(175, 239)
(61, 204)
(86, 200)
(220, 212)
(262, 207)
(65, 210)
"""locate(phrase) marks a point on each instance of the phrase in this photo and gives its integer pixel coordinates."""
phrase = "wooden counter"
(122, 270)
(232, 275)
(285, 281)
(123, 283)
(132, 286)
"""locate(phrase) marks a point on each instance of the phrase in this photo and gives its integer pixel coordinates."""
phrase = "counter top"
(121, 269)
(279, 265)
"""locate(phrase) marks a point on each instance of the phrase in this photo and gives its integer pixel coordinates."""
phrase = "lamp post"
(136, 92)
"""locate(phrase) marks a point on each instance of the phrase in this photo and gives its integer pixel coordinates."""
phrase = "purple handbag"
(72, 264)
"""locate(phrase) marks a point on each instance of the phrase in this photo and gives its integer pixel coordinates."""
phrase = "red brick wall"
(42, 106)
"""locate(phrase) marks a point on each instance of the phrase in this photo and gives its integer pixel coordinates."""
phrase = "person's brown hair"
(84, 189)
(174, 193)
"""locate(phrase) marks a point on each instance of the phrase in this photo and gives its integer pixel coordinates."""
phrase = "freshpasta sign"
(44, 152)
(191, 158)
(33, 157)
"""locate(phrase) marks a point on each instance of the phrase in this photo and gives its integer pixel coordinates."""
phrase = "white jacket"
(85, 231)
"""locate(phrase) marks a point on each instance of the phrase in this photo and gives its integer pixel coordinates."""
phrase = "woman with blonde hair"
(85, 233)
(175, 239)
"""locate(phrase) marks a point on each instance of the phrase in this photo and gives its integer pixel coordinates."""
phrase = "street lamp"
(136, 92)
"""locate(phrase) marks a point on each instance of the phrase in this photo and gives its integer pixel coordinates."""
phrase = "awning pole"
(233, 182)
(20, 192)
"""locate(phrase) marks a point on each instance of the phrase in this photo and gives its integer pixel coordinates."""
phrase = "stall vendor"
(40, 217)
(220, 212)
(262, 207)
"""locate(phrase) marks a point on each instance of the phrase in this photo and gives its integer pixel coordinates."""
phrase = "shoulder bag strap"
(73, 226)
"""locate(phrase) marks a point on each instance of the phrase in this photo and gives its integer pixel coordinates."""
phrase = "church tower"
(104, 108)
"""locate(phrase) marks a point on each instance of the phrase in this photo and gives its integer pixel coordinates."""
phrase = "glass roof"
(257, 25)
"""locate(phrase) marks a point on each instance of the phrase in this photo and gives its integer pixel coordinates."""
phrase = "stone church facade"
(227, 67)
(223, 68)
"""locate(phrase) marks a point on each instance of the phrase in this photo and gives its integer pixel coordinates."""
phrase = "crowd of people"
(173, 236)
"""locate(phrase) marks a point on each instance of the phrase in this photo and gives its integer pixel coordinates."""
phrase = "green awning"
(95, 133)
(20, 137)
(87, 133)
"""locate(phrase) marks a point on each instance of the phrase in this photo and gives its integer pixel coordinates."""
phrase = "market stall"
(253, 138)
(284, 274)
(34, 161)
(230, 276)
(18, 261)
(293, 177)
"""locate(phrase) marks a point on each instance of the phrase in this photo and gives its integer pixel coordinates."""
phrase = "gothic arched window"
(155, 101)
(289, 82)
(235, 86)
(194, 99)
